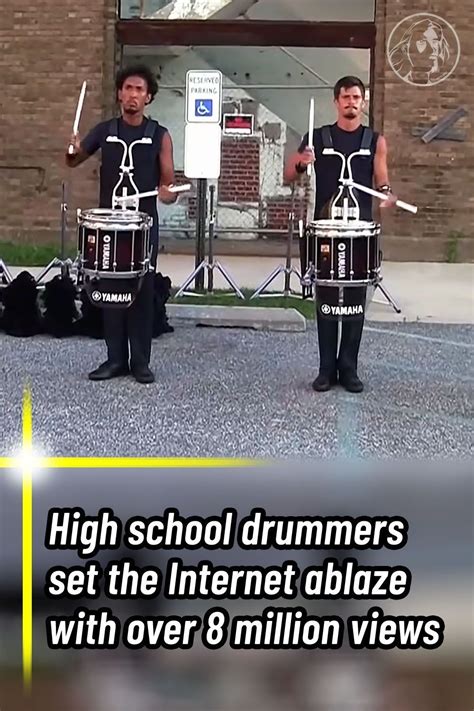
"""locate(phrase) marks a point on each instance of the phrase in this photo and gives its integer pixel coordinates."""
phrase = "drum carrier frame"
(345, 224)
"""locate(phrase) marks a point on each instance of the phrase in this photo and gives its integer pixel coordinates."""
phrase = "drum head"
(339, 228)
(343, 224)
(116, 220)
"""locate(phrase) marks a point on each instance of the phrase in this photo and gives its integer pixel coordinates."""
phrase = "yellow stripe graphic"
(27, 542)
(27, 464)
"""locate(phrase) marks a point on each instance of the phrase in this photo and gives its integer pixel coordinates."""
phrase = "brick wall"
(437, 176)
(240, 170)
(47, 49)
(278, 209)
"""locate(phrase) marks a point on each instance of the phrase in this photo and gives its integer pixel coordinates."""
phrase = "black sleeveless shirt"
(146, 173)
(328, 168)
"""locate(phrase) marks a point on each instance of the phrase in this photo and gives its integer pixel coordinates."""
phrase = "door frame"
(256, 33)
(251, 33)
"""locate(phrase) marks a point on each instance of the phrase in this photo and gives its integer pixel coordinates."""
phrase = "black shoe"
(324, 382)
(351, 382)
(143, 374)
(107, 370)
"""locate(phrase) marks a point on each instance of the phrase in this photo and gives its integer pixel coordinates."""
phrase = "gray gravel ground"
(222, 392)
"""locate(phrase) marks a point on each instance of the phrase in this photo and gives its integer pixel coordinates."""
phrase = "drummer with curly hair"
(346, 136)
(136, 87)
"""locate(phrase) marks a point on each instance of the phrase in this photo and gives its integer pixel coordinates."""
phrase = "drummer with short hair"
(346, 136)
(153, 163)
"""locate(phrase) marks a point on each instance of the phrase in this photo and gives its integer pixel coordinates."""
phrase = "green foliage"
(452, 247)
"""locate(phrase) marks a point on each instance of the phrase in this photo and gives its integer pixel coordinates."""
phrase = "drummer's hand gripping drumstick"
(77, 118)
(381, 196)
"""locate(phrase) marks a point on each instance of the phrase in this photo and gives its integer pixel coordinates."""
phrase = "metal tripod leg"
(276, 272)
(388, 297)
(288, 269)
(228, 278)
(308, 281)
(209, 268)
(188, 281)
(207, 264)
(56, 262)
(5, 274)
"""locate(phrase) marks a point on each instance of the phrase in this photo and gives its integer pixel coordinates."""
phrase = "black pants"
(328, 315)
(133, 325)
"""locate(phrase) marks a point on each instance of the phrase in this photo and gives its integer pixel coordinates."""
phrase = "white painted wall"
(311, 10)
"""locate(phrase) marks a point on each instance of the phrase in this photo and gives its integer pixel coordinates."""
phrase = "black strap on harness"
(113, 127)
(366, 142)
(367, 138)
(150, 129)
(326, 136)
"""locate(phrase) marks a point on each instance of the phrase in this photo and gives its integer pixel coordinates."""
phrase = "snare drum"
(114, 243)
(344, 253)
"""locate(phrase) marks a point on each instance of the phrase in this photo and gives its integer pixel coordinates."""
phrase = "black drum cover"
(112, 293)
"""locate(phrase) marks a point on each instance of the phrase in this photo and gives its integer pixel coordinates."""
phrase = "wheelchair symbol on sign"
(203, 107)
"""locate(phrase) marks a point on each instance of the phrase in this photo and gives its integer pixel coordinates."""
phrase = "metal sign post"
(209, 264)
(201, 219)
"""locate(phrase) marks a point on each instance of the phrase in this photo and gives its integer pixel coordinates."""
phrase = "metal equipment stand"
(5, 275)
(288, 269)
(64, 264)
(388, 297)
(206, 264)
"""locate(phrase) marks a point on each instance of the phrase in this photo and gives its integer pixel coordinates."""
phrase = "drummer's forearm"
(381, 179)
(381, 164)
(380, 173)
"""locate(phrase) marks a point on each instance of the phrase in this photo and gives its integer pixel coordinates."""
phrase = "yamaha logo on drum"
(111, 298)
(355, 310)
(341, 260)
(106, 252)
(116, 298)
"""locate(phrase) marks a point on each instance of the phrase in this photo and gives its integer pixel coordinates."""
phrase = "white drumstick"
(179, 188)
(310, 131)
(77, 117)
(154, 193)
(380, 196)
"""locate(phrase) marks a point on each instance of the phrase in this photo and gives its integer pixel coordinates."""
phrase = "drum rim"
(111, 276)
(330, 228)
(107, 216)
(351, 224)
(348, 284)
(116, 226)
(331, 233)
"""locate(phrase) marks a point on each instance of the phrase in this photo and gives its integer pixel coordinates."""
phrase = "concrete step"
(255, 317)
